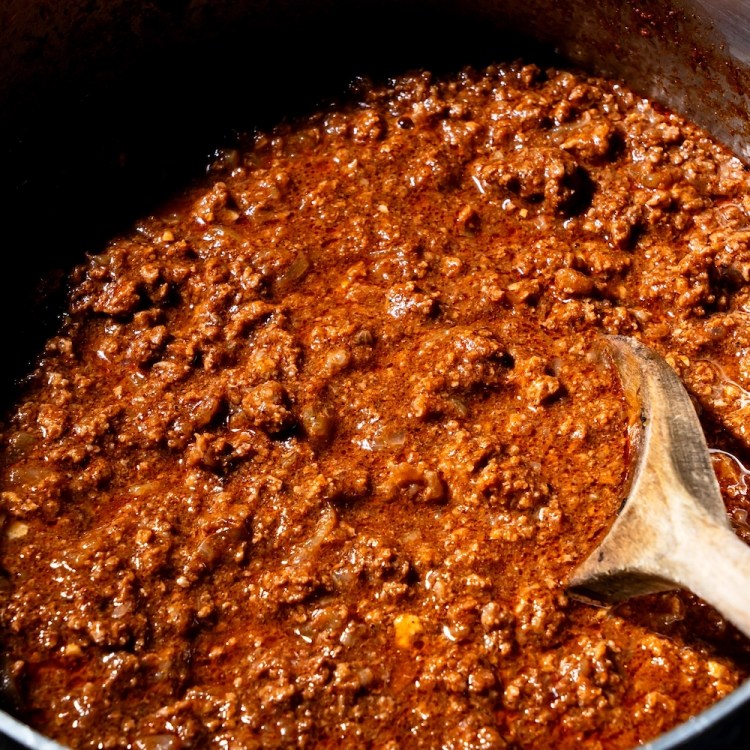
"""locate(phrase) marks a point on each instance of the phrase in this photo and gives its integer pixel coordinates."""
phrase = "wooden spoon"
(672, 531)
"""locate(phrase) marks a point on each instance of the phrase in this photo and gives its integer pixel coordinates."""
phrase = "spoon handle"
(715, 564)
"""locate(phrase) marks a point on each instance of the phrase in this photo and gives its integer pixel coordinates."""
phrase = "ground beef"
(318, 445)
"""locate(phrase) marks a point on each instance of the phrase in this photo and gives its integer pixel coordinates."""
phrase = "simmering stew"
(317, 446)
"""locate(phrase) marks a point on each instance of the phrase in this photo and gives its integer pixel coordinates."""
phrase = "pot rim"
(25, 735)
(710, 717)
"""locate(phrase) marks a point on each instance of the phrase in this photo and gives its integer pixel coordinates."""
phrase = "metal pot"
(92, 95)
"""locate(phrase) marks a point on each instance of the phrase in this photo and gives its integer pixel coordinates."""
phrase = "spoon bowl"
(672, 530)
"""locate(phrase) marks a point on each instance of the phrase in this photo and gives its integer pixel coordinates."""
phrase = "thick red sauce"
(317, 446)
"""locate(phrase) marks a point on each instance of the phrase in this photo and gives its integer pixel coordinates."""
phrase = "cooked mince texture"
(317, 447)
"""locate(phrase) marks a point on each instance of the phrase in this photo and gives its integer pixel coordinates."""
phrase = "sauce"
(317, 446)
